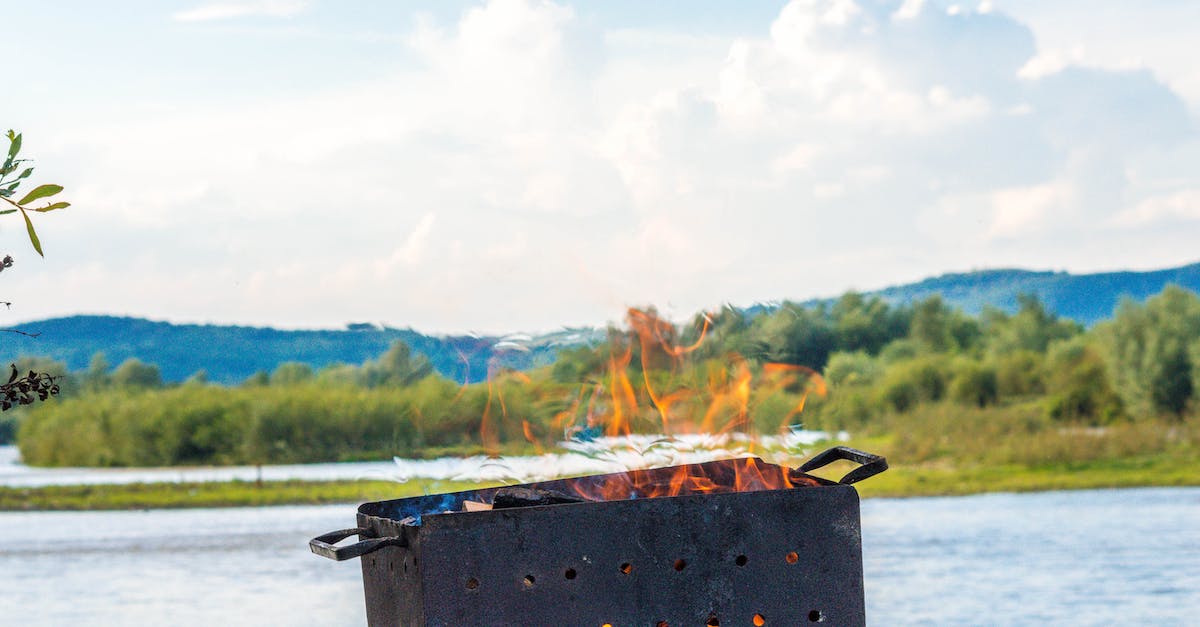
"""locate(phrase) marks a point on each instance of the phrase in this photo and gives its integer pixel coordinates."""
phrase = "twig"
(20, 332)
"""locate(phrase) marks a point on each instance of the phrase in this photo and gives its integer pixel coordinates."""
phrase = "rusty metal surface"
(789, 556)
(768, 557)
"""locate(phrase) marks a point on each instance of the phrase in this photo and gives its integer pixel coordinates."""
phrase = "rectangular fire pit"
(785, 556)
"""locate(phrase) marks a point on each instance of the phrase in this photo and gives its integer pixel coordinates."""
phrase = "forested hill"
(230, 354)
(1085, 298)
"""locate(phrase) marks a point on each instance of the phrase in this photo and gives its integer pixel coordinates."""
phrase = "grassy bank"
(1161, 471)
(214, 494)
(899, 481)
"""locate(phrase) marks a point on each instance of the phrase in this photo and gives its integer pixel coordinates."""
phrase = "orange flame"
(489, 433)
(745, 474)
(671, 387)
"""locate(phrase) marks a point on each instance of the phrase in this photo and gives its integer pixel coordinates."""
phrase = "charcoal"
(530, 497)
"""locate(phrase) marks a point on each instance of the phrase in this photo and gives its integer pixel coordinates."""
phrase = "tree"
(97, 377)
(397, 367)
(23, 389)
(136, 374)
(1032, 328)
(936, 327)
(1151, 351)
(291, 373)
(866, 323)
(796, 335)
(1077, 386)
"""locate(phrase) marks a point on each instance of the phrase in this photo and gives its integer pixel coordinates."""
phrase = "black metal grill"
(770, 557)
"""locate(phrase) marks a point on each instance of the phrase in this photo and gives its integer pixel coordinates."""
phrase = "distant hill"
(1085, 298)
(230, 354)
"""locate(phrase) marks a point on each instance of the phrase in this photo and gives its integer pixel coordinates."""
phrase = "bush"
(857, 368)
(1019, 374)
(907, 383)
(974, 384)
(1079, 386)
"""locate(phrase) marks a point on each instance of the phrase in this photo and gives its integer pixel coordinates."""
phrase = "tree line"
(924, 379)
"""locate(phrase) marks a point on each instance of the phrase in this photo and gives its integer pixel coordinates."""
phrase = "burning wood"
(531, 497)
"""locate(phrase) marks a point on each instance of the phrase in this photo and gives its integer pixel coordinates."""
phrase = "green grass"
(900, 481)
(933, 480)
(216, 494)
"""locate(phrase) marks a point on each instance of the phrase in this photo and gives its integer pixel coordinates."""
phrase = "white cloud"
(413, 248)
(1183, 205)
(909, 9)
(230, 10)
(1050, 62)
(526, 170)
(1156, 34)
(1020, 210)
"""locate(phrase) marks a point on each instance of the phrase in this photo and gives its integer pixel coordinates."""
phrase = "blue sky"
(521, 165)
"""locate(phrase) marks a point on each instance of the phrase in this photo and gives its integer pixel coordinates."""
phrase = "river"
(1095, 557)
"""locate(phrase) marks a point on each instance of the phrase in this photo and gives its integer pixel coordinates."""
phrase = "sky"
(506, 165)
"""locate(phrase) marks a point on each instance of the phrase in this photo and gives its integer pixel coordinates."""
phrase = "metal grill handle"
(871, 464)
(324, 545)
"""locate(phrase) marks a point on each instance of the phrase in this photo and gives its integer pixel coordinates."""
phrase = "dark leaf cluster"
(24, 390)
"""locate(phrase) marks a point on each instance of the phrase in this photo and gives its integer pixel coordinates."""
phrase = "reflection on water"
(1068, 558)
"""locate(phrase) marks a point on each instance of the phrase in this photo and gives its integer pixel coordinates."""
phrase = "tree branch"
(20, 332)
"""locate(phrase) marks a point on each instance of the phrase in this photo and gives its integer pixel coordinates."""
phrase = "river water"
(1096, 557)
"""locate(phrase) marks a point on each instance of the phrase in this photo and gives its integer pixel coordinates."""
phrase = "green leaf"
(15, 146)
(41, 191)
(25, 174)
(33, 238)
(57, 205)
(7, 211)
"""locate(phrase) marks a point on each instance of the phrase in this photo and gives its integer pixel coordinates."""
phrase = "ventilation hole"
(528, 581)
(391, 566)
(760, 620)
(741, 560)
(680, 564)
(406, 566)
(792, 557)
(816, 616)
(472, 583)
(712, 621)
(570, 574)
(626, 568)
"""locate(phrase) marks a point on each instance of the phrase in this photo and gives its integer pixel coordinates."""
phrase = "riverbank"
(899, 481)
(215, 494)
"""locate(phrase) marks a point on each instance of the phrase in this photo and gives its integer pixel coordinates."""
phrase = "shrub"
(974, 384)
